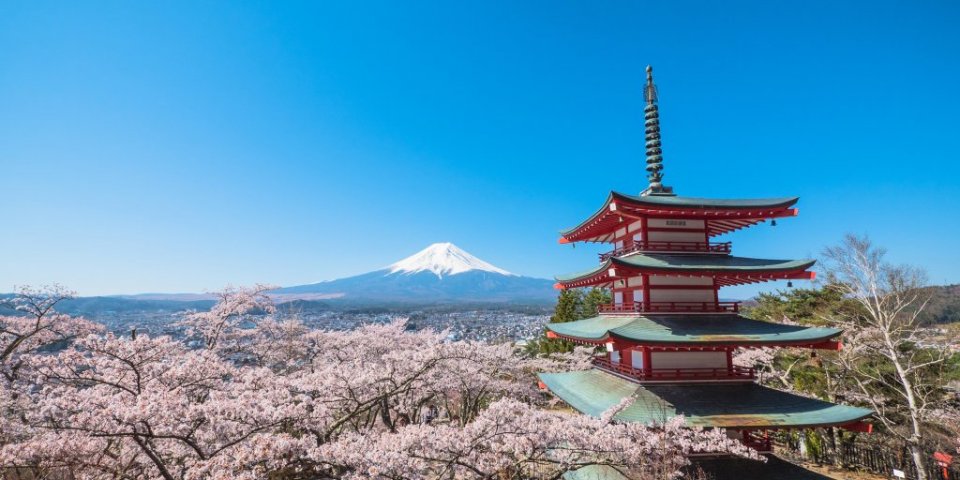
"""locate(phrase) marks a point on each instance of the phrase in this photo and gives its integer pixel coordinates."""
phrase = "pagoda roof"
(705, 203)
(702, 330)
(725, 405)
(739, 269)
(722, 215)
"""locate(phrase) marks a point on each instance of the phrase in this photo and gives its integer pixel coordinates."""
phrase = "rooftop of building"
(686, 264)
(726, 405)
(740, 212)
(692, 330)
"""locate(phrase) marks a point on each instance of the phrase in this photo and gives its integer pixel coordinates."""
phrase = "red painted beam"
(861, 426)
(835, 345)
(799, 276)
(550, 334)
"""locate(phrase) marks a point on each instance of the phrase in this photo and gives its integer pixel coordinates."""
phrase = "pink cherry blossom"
(268, 397)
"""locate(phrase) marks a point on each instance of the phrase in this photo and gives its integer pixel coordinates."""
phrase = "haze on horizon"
(183, 146)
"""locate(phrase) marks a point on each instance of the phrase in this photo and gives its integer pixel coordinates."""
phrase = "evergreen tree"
(572, 305)
(569, 306)
(591, 300)
(806, 306)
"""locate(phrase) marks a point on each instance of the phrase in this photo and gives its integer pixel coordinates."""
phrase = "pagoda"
(669, 338)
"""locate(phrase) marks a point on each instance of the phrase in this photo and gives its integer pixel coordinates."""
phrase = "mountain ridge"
(440, 273)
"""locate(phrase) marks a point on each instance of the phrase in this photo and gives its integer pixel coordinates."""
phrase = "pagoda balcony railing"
(670, 307)
(760, 443)
(673, 247)
(670, 374)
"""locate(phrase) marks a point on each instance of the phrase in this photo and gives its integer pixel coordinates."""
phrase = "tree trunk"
(916, 453)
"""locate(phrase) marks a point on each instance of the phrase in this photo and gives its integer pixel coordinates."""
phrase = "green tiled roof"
(594, 472)
(727, 405)
(712, 263)
(695, 202)
(689, 203)
(595, 328)
(692, 329)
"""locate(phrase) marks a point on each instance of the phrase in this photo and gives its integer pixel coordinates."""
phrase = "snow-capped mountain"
(443, 259)
(440, 273)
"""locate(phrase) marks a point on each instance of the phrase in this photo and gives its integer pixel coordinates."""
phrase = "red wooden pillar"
(644, 238)
(646, 291)
(716, 294)
(647, 369)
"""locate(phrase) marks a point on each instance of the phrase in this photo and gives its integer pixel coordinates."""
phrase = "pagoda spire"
(652, 131)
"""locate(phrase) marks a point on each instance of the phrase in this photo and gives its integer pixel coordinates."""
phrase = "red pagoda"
(669, 339)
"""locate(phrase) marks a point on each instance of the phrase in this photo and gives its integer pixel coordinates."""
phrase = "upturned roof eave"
(675, 202)
(605, 209)
(699, 203)
(631, 263)
(595, 331)
(751, 406)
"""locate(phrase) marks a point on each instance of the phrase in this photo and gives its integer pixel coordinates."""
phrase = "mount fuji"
(440, 273)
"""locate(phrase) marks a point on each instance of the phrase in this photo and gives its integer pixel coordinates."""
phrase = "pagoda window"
(695, 236)
(681, 360)
(636, 359)
(618, 298)
(635, 227)
(681, 295)
(635, 282)
(683, 289)
(656, 280)
(676, 230)
(615, 357)
(676, 224)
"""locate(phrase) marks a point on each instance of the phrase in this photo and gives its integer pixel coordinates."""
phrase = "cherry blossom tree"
(144, 407)
(267, 397)
(220, 326)
(38, 325)
(35, 326)
(513, 439)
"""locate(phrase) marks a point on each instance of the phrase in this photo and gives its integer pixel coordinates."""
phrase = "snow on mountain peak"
(443, 259)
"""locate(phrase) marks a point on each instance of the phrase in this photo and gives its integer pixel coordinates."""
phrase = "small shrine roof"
(710, 329)
(707, 264)
(726, 405)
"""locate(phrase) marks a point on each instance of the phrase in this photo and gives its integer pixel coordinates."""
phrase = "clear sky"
(183, 146)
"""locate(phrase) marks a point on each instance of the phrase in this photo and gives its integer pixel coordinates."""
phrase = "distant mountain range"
(440, 273)
(440, 276)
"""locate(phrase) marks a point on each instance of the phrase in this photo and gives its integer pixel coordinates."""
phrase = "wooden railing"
(757, 441)
(667, 374)
(618, 308)
(679, 247)
(670, 307)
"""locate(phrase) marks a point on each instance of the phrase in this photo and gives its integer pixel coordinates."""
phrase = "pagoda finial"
(652, 130)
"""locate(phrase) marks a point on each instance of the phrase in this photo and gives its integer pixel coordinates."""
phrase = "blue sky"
(183, 146)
